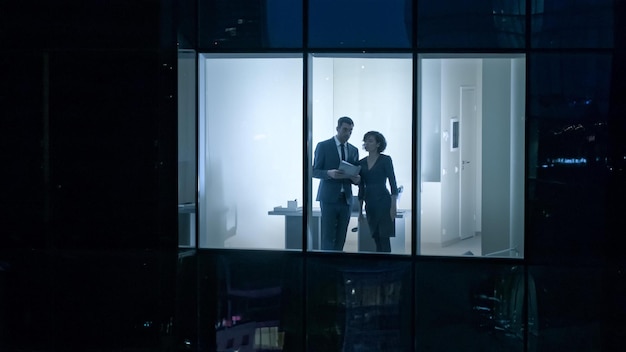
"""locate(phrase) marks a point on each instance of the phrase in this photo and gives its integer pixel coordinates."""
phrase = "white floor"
(467, 247)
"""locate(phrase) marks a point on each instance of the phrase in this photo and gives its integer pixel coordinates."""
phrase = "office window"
(224, 24)
(187, 148)
(374, 90)
(482, 306)
(572, 24)
(358, 305)
(472, 128)
(570, 158)
(576, 310)
(250, 154)
(250, 301)
(471, 24)
(360, 23)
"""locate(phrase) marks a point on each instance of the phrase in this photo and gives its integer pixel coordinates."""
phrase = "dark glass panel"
(102, 300)
(109, 162)
(23, 149)
(572, 24)
(358, 305)
(568, 156)
(571, 304)
(111, 24)
(187, 21)
(471, 24)
(253, 294)
(471, 306)
(360, 24)
(186, 318)
(249, 24)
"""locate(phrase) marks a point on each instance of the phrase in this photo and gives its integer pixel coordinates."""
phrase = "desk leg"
(397, 243)
(293, 232)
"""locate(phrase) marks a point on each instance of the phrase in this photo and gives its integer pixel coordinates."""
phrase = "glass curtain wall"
(452, 79)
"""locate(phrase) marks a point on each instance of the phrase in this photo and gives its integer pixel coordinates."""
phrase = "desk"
(293, 231)
(187, 225)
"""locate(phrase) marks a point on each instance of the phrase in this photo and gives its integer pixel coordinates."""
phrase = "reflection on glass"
(358, 306)
(572, 24)
(472, 155)
(573, 304)
(570, 153)
(249, 24)
(258, 301)
(374, 90)
(480, 305)
(250, 154)
(471, 24)
(360, 24)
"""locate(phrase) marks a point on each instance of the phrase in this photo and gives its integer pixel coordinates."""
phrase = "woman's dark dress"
(373, 190)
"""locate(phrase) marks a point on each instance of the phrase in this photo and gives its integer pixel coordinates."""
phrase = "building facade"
(131, 222)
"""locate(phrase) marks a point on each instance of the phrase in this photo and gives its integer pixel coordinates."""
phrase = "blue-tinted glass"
(471, 24)
(249, 24)
(569, 155)
(360, 23)
(470, 306)
(187, 30)
(239, 213)
(571, 306)
(375, 91)
(572, 24)
(358, 305)
(250, 301)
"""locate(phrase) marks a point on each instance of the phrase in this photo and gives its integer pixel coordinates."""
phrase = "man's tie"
(343, 153)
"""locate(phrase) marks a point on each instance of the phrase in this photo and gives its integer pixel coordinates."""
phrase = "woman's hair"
(380, 139)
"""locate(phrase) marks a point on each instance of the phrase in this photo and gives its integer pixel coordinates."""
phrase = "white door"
(467, 154)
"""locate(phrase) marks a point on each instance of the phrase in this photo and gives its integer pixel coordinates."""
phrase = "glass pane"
(250, 24)
(250, 157)
(572, 308)
(570, 155)
(355, 305)
(375, 92)
(360, 23)
(572, 24)
(471, 24)
(250, 301)
(472, 155)
(187, 189)
(474, 306)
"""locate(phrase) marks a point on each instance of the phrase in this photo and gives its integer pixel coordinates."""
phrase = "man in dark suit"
(335, 189)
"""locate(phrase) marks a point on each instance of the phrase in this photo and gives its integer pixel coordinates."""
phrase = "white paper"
(349, 169)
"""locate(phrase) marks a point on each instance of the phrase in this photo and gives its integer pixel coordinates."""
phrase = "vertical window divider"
(306, 177)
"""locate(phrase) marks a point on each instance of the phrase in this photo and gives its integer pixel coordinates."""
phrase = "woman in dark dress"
(380, 203)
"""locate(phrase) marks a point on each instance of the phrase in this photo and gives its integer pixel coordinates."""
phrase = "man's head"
(344, 128)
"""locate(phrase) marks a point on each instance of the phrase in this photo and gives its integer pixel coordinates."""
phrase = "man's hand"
(336, 174)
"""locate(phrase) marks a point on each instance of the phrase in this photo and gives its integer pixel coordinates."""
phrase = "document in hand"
(349, 169)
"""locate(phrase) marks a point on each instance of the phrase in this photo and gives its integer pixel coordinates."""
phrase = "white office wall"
(251, 148)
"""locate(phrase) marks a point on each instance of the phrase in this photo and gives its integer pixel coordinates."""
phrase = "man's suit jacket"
(326, 158)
